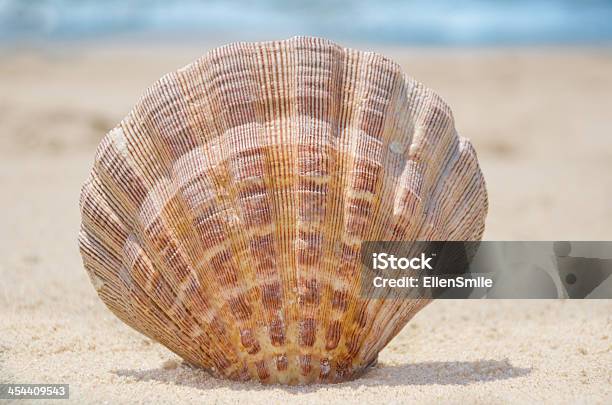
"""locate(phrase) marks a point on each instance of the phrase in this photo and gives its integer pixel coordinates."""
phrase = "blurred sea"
(427, 22)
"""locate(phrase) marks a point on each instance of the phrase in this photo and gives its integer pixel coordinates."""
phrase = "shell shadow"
(424, 373)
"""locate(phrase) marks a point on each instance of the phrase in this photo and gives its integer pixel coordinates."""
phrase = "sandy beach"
(540, 122)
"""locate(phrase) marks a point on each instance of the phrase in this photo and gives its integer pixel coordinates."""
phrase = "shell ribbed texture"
(223, 217)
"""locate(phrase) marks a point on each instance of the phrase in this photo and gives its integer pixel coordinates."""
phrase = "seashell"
(223, 217)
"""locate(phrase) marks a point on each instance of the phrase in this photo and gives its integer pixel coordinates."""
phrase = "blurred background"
(529, 82)
(422, 22)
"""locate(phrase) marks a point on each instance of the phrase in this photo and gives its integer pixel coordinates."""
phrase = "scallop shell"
(223, 217)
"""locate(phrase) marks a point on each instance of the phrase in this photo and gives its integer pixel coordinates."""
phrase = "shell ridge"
(341, 298)
(467, 197)
(164, 158)
(397, 306)
(249, 329)
(271, 288)
(329, 331)
(168, 189)
(390, 83)
(341, 295)
(383, 86)
(269, 322)
(355, 195)
(306, 243)
(238, 307)
(435, 195)
(317, 189)
(322, 171)
(386, 313)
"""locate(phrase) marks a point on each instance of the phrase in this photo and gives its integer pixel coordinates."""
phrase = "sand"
(540, 122)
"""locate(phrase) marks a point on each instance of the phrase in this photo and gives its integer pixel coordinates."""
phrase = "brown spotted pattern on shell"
(223, 216)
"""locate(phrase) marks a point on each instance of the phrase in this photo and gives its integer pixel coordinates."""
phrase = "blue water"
(428, 22)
